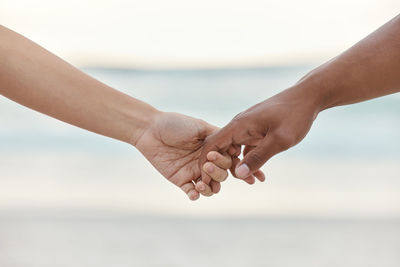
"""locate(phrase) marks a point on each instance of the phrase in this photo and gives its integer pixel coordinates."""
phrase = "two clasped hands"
(189, 152)
(195, 155)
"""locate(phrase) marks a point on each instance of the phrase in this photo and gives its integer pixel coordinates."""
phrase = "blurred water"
(347, 168)
(351, 152)
(366, 129)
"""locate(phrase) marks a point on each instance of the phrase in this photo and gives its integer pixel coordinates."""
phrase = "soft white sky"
(186, 33)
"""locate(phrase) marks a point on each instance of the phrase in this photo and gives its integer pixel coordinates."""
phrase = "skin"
(173, 143)
(33, 77)
(369, 69)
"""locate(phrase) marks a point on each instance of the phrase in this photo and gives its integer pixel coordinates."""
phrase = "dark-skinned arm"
(369, 69)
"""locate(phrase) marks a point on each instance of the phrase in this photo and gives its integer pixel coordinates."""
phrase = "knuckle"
(221, 176)
(206, 179)
(255, 159)
(228, 163)
(187, 188)
(238, 121)
(238, 117)
(225, 162)
(217, 178)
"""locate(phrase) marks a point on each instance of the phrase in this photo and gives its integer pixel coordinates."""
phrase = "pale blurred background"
(71, 198)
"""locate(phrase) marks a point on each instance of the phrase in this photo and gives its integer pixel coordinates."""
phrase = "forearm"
(369, 69)
(35, 78)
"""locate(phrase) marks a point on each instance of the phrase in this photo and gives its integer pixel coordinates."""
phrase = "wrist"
(318, 89)
(142, 121)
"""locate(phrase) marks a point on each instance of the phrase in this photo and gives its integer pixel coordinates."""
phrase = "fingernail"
(192, 195)
(202, 187)
(212, 156)
(210, 168)
(243, 171)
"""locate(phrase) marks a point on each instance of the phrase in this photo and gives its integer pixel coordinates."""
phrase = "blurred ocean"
(72, 198)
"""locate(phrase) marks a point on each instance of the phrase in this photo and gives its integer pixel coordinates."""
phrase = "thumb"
(256, 158)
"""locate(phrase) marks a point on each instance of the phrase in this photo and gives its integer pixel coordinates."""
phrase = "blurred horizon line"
(189, 68)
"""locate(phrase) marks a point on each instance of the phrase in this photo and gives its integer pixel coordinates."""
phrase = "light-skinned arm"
(33, 77)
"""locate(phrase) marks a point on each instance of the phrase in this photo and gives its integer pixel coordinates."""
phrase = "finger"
(235, 150)
(215, 187)
(190, 191)
(247, 149)
(222, 161)
(216, 173)
(220, 141)
(238, 149)
(235, 162)
(257, 157)
(259, 174)
(204, 189)
(250, 179)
